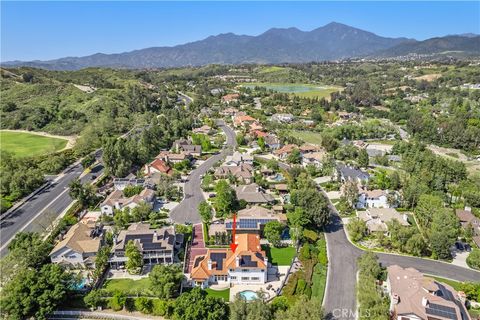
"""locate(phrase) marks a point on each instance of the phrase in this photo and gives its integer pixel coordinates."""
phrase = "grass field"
(298, 89)
(224, 294)
(23, 144)
(128, 286)
(280, 256)
(271, 69)
(307, 136)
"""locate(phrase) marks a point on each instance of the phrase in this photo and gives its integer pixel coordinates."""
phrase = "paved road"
(40, 211)
(340, 297)
(187, 210)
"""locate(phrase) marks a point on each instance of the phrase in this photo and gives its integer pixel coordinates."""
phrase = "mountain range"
(333, 41)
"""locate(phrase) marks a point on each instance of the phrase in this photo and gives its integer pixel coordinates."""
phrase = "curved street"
(187, 209)
(340, 295)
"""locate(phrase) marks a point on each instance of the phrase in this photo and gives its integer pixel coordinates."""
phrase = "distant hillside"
(330, 42)
(469, 44)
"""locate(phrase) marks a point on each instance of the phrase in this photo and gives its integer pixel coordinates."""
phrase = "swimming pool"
(278, 177)
(79, 286)
(248, 295)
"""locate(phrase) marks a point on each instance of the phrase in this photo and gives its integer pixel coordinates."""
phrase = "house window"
(233, 278)
(244, 270)
(245, 278)
(255, 278)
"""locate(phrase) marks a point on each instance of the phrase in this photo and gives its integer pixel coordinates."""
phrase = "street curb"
(329, 270)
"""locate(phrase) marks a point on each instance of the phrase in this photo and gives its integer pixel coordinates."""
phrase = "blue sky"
(48, 30)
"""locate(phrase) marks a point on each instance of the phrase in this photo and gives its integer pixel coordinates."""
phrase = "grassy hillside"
(23, 144)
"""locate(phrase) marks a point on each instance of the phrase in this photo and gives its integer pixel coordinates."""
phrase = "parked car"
(459, 246)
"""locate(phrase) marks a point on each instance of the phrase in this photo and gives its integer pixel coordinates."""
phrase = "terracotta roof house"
(231, 97)
(255, 126)
(116, 200)
(416, 297)
(78, 247)
(243, 172)
(466, 218)
(284, 151)
(241, 121)
(258, 134)
(157, 165)
(247, 265)
(253, 219)
(253, 194)
(157, 246)
(229, 111)
(377, 218)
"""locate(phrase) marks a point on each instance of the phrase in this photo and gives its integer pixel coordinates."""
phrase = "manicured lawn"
(271, 69)
(23, 144)
(319, 280)
(280, 256)
(307, 136)
(128, 285)
(224, 294)
(298, 89)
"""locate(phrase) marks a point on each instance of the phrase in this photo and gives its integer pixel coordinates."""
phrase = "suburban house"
(416, 297)
(203, 130)
(247, 265)
(157, 246)
(467, 218)
(249, 220)
(79, 246)
(159, 166)
(253, 194)
(272, 142)
(285, 151)
(171, 157)
(243, 172)
(229, 98)
(308, 148)
(243, 120)
(229, 111)
(186, 146)
(117, 201)
(346, 173)
(377, 218)
(130, 180)
(238, 158)
(313, 158)
(372, 199)
(283, 117)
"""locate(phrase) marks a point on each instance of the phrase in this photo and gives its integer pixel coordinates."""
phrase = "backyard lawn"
(224, 294)
(23, 144)
(280, 256)
(128, 285)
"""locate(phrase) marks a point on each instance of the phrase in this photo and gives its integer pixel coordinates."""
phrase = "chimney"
(209, 264)
(147, 169)
(469, 209)
(237, 261)
(395, 298)
(424, 302)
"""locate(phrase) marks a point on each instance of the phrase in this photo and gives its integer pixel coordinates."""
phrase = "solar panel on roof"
(218, 257)
(248, 223)
(442, 311)
(246, 261)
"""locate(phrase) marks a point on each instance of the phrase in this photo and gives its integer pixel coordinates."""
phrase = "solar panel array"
(441, 311)
(246, 261)
(218, 257)
(248, 223)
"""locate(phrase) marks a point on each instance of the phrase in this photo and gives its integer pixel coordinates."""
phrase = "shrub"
(473, 259)
(117, 302)
(305, 252)
(160, 307)
(300, 288)
(130, 304)
(310, 235)
(143, 305)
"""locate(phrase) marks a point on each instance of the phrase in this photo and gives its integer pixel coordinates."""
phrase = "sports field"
(23, 144)
(298, 89)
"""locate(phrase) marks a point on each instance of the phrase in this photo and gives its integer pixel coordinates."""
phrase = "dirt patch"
(87, 89)
(429, 77)
(455, 154)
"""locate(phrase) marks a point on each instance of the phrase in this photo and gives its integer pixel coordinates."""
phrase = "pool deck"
(272, 280)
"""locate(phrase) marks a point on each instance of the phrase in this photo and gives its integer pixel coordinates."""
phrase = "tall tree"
(225, 200)
(205, 211)
(272, 231)
(135, 259)
(165, 280)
